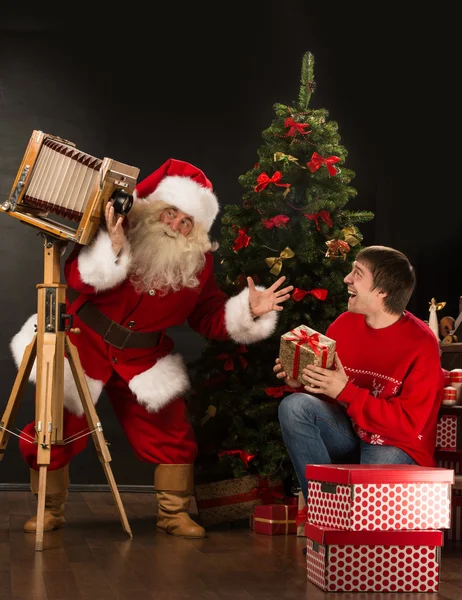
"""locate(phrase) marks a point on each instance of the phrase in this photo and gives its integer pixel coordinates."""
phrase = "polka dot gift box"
(379, 497)
(449, 429)
(373, 561)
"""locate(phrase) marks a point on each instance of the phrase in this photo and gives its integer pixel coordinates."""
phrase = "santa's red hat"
(183, 185)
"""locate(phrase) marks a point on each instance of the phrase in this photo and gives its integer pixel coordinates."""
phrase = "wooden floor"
(92, 559)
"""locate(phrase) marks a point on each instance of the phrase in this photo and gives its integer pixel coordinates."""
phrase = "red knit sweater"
(395, 382)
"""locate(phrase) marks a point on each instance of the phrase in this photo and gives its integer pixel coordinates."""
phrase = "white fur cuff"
(99, 266)
(165, 381)
(241, 327)
(71, 395)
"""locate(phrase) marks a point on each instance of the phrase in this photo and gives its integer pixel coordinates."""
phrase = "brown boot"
(55, 499)
(174, 486)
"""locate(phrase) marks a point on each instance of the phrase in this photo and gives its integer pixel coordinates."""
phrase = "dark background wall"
(180, 82)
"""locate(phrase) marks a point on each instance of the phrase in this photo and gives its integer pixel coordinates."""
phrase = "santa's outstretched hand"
(262, 302)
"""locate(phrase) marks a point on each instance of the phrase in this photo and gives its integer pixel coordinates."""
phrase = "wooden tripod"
(49, 345)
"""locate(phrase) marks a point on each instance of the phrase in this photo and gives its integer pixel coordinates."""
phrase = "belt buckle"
(121, 346)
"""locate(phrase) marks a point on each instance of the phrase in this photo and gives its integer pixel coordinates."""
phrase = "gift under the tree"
(449, 429)
(289, 500)
(379, 497)
(304, 346)
(234, 499)
(275, 519)
(373, 561)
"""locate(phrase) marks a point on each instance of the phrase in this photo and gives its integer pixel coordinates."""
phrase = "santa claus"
(125, 289)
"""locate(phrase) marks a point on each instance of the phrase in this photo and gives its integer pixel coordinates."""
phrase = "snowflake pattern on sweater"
(380, 386)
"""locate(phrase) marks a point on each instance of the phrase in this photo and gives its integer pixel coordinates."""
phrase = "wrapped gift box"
(373, 561)
(234, 499)
(304, 346)
(275, 519)
(379, 497)
(449, 429)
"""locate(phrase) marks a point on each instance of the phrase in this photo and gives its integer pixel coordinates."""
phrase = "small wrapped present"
(234, 499)
(275, 519)
(304, 346)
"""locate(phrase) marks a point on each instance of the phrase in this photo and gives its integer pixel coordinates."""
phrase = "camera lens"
(122, 202)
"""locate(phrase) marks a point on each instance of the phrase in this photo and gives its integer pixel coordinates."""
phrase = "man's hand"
(115, 228)
(268, 300)
(325, 381)
(280, 374)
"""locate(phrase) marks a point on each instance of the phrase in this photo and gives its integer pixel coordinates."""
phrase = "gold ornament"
(350, 235)
(275, 262)
(334, 247)
(209, 414)
(286, 157)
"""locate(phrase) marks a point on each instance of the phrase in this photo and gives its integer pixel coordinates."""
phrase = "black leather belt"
(111, 332)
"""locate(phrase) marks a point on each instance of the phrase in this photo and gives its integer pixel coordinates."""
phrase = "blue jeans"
(317, 432)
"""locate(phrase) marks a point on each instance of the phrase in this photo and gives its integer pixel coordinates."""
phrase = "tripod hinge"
(63, 317)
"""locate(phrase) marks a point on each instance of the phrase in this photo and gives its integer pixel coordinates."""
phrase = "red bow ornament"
(295, 127)
(242, 240)
(263, 180)
(318, 293)
(243, 455)
(277, 221)
(324, 215)
(317, 161)
(229, 358)
(277, 392)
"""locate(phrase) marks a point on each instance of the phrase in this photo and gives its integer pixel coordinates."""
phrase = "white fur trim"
(166, 380)
(99, 266)
(71, 396)
(190, 197)
(241, 327)
(22, 339)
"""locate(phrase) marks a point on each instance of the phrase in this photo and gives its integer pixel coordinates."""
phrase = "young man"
(125, 290)
(379, 404)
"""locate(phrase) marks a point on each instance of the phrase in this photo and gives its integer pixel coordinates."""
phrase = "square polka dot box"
(376, 527)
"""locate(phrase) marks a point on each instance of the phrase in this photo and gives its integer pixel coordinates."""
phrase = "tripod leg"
(96, 429)
(19, 386)
(45, 386)
(41, 507)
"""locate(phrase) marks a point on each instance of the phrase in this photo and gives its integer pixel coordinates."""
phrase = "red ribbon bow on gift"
(312, 341)
(304, 338)
(277, 221)
(295, 127)
(263, 180)
(277, 392)
(317, 160)
(319, 293)
(324, 215)
(242, 241)
(229, 358)
(243, 455)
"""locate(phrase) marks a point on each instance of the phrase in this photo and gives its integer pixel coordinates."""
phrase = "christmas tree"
(292, 221)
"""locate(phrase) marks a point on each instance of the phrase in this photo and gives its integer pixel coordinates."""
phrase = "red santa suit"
(145, 385)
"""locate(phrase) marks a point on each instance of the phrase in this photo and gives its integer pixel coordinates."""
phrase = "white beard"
(162, 259)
